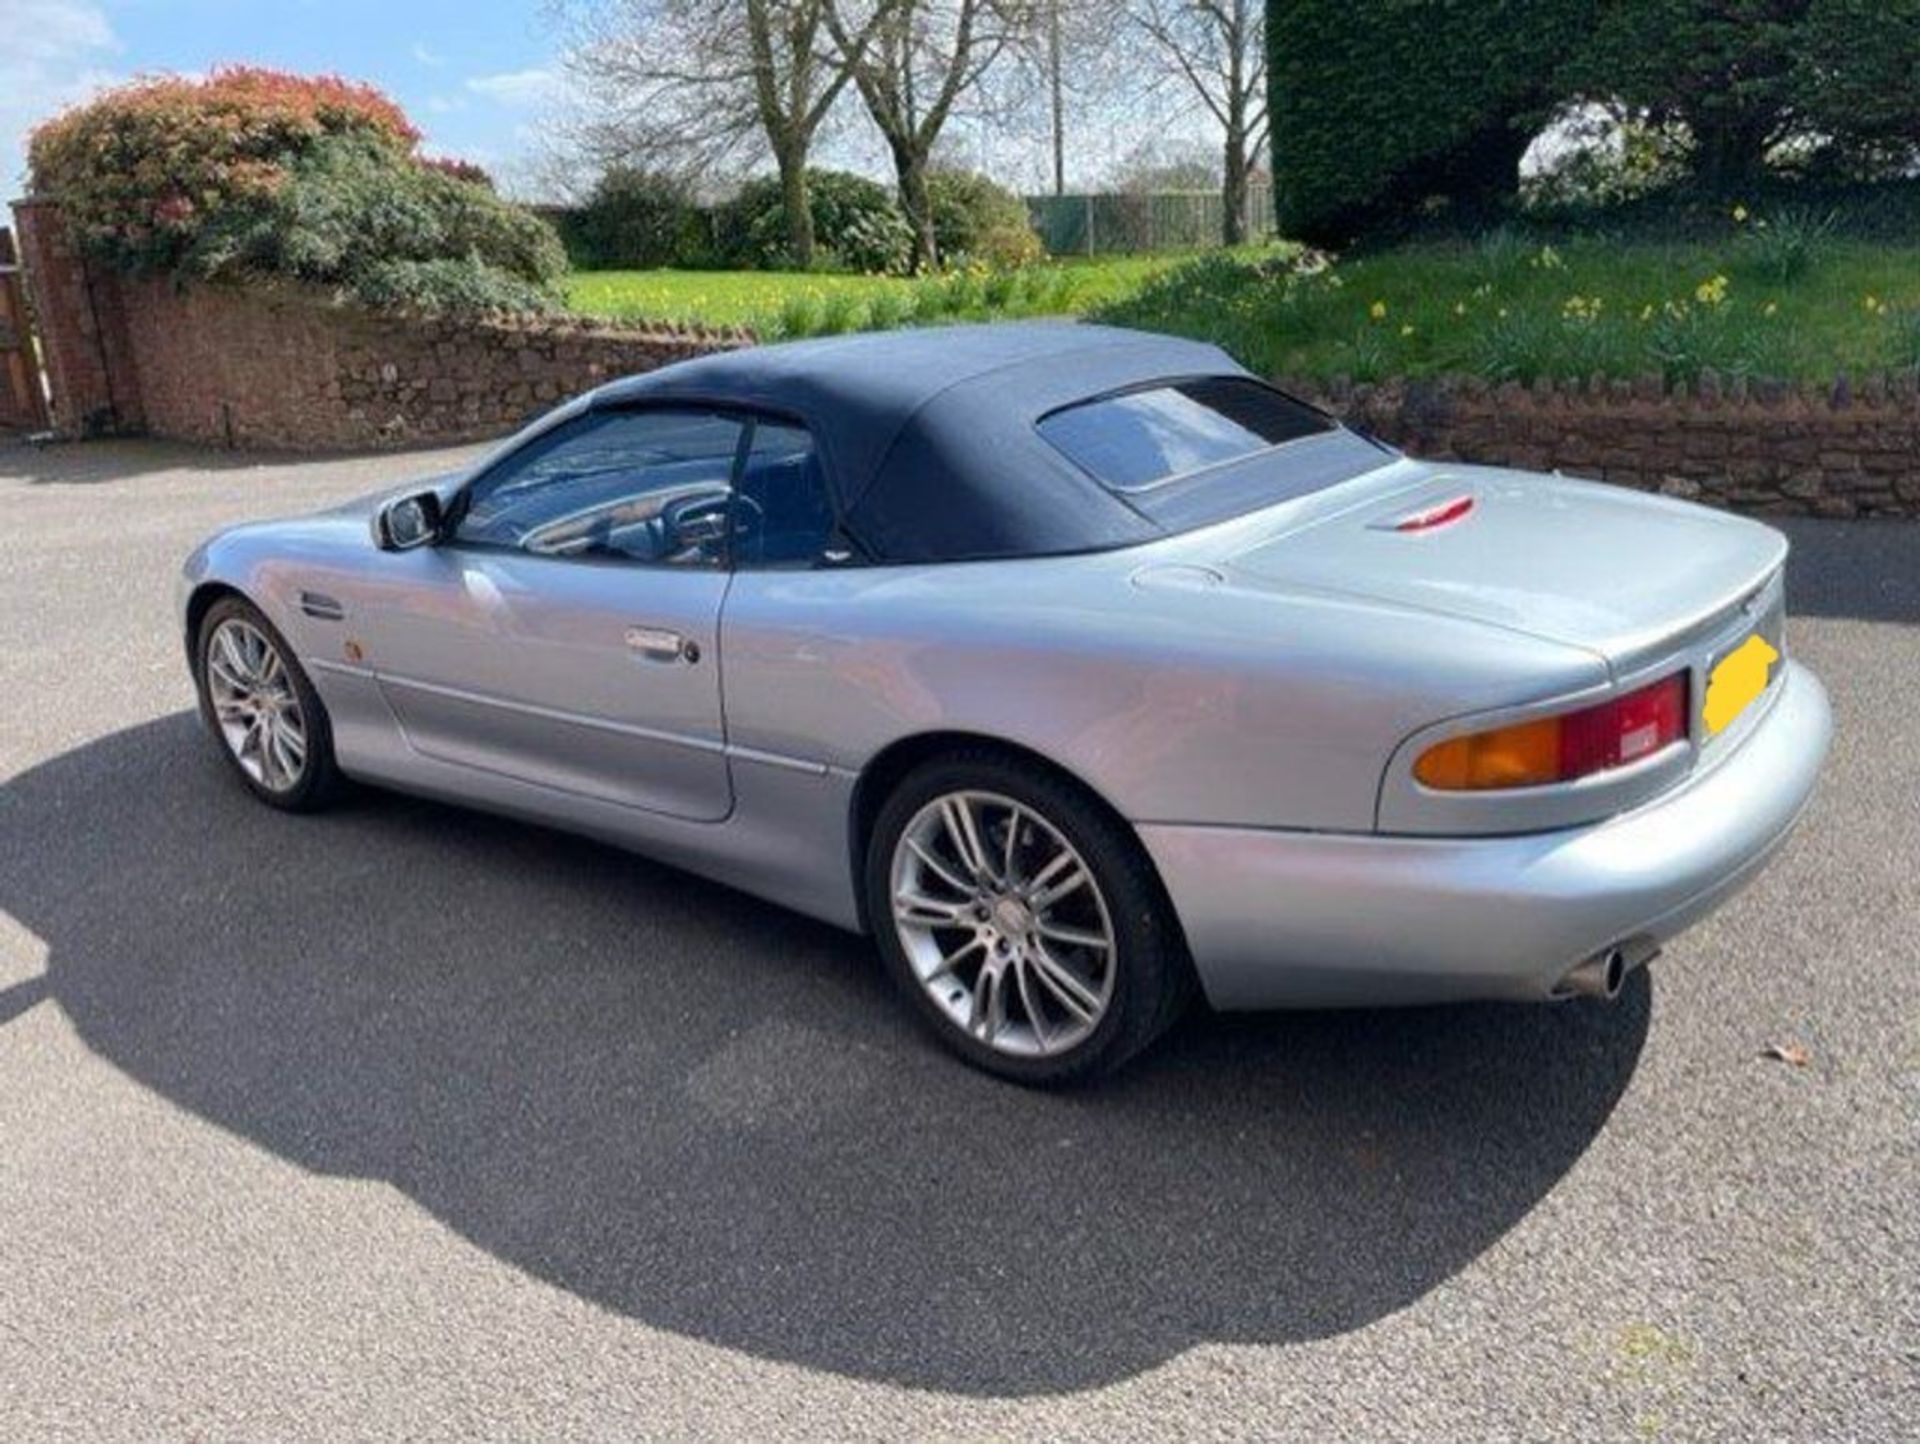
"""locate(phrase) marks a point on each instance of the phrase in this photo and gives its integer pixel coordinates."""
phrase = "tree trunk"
(911, 172)
(792, 161)
(1233, 191)
(1729, 154)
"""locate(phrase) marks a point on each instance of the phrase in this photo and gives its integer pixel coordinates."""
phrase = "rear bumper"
(1292, 919)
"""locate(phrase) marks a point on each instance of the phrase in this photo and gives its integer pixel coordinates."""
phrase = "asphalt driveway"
(406, 1120)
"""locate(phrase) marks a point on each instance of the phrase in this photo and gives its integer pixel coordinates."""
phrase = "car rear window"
(1137, 439)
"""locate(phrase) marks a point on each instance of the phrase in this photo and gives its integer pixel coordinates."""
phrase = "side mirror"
(408, 521)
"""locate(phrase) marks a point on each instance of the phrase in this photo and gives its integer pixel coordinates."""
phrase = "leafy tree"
(1378, 106)
(1746, 77)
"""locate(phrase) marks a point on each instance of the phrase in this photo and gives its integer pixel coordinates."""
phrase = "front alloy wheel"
(259, 704)
(255, 707)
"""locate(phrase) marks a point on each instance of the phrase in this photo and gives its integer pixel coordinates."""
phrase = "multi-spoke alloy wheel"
(255, 705)
(1022, 917)
(1003, 923)
(262, 708)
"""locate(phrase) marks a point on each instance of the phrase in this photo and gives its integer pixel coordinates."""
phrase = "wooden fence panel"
(23, 398)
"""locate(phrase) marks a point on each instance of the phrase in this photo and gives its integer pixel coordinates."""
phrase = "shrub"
(635, 220)
(854, 219)
(461, 170)
(357, 214)
(1689, 337)
(977, 219)
(1784, 247)
(254, 173)
(141, 169)
(463, 286)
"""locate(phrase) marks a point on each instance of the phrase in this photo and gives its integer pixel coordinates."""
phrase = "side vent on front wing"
(319, 604)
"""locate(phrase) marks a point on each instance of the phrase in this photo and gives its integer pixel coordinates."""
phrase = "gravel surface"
(403, 1120)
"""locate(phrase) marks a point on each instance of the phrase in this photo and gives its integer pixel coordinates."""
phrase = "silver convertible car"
(1079, 666)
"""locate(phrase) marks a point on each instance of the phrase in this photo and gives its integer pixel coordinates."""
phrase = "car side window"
(783, 517)
(652, 486)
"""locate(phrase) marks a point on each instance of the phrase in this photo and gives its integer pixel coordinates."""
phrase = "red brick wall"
(281, 367)
(1845, 449)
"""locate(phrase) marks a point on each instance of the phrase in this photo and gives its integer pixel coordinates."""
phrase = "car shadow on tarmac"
(710, 1115)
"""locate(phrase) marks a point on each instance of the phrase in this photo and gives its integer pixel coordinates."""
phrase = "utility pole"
(1059, 115)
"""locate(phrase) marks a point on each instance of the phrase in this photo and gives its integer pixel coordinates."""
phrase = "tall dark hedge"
(1378, 105)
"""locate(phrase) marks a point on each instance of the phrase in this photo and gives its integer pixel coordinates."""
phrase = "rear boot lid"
(1630, 576)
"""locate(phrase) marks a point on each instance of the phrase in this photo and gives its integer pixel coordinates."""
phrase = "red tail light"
(1558, 749)
(1625, 729)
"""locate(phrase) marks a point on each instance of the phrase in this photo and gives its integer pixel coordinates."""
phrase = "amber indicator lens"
(1617, 732)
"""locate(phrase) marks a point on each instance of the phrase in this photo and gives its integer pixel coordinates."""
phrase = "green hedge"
(356, 214)
(634, 220)
(1378, 106)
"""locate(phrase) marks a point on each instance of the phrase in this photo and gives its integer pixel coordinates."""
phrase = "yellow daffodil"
(1740, 215)
(1378, 310)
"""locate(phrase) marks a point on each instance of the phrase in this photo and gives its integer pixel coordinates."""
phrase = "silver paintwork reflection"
(1245, 695)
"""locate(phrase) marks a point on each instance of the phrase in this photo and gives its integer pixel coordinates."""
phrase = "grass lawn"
(1512, 309)
(761, 298)
(1789, 300)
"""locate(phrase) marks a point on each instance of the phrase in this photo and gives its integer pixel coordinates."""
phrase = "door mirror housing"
(409, 521)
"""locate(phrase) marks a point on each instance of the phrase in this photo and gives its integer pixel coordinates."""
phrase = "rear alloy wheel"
(258, 702)
(1023, 919)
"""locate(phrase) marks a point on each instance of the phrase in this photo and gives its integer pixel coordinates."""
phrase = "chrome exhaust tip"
(1600, 976)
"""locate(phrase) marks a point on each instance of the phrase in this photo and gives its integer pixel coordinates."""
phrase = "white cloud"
(518, 87)
(52, 55)
(426, 56)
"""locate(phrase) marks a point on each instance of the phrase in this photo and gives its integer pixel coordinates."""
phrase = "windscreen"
(1135, 440)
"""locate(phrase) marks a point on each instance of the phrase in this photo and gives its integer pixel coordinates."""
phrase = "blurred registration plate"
(1736, 679)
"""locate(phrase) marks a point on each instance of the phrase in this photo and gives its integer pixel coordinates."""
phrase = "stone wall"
(1844, 449)
(281, 367)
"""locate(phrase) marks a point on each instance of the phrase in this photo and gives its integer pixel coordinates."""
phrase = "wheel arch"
(887, 768)
(200, 601)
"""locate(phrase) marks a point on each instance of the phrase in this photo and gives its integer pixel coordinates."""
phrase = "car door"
(564, 630)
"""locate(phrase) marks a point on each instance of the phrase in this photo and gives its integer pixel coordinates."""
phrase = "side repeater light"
(1612, 734)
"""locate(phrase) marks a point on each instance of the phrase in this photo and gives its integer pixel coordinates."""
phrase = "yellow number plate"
(1737, 679)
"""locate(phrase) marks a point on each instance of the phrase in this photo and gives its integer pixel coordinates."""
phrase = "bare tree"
(699, 81)
(1217, 49)
(921, 58)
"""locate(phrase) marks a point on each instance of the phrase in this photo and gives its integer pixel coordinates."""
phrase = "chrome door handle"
(657, 644)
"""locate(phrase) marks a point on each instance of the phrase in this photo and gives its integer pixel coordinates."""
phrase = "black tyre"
(261, 709)
(1022, 919)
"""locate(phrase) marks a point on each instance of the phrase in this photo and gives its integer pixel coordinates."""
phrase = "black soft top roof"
(929, 434)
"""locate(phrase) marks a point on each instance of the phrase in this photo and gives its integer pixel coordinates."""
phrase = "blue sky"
(480, 79)
(475, 77)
